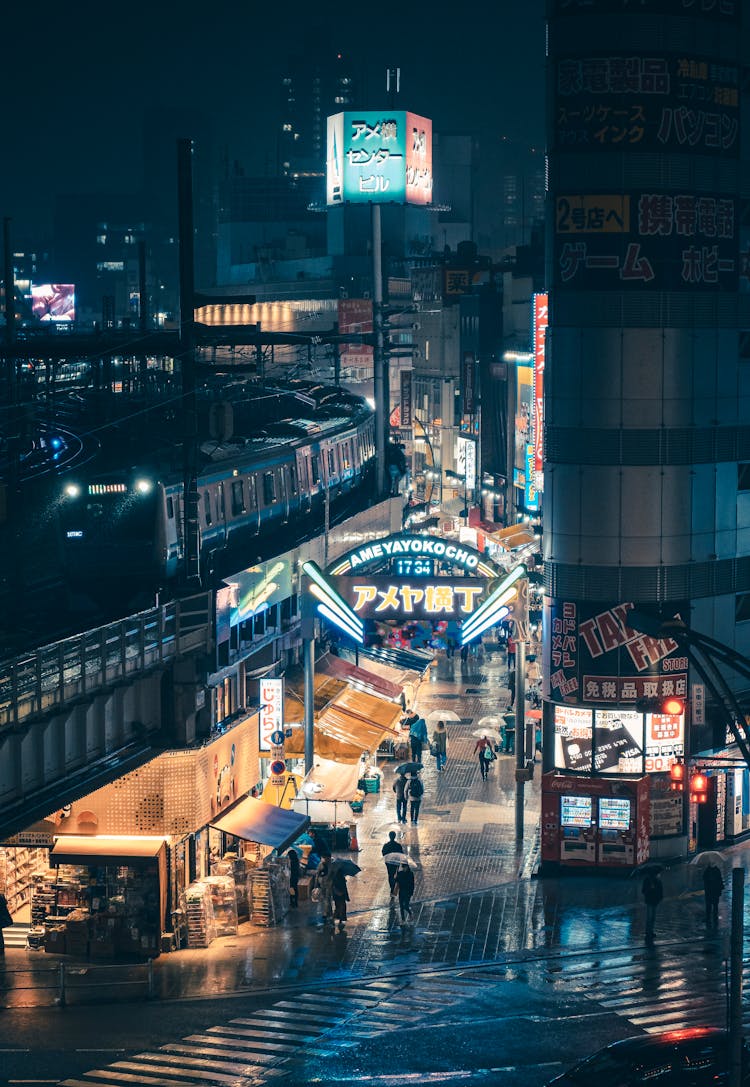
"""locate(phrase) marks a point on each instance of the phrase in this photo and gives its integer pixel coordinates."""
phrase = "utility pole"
(735, 978)
(187, 362)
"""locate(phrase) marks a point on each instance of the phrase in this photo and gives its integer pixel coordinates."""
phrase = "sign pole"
(520, 729)
(735, 978)
(308, 650)
(378, 355)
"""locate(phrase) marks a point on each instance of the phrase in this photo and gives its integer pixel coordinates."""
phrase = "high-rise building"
(647, 381)
(316, 83)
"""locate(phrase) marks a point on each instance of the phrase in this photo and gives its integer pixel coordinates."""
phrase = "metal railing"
(58, 984)
(55, 674)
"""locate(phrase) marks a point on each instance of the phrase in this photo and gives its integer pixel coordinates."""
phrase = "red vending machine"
(595, 822)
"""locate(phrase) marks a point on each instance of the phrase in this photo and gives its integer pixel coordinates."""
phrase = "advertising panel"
(53, 301)
(668, 102)
(712, 10)
(575, 811)
(540, 322)
(382, 597)
(418, 159)
(618, 741)
(466, 462)
(524, 401)
(468, 383)
(614, 813)
(406, 398)
(271, 718)
(665, 740)
(594, 656)
(258, 588)
(355, 319)
(530, 493)
(366, 160)
(573, 738)
(667, 241)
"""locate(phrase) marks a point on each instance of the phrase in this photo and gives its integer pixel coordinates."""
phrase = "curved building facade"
(647, 381)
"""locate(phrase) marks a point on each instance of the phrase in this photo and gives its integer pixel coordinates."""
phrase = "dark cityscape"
(375, 594)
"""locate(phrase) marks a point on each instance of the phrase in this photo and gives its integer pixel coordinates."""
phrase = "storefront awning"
(513, 536)
(100, 850)
(406, 659)
(378, 684)
(330, 781)
(255, 821)
(367, 709)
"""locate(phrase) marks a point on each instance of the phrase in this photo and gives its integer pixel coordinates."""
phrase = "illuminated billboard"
(271, 716)
(382, 156)
(53, 301)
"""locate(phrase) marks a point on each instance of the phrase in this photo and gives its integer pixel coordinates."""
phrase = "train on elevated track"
(124, 531)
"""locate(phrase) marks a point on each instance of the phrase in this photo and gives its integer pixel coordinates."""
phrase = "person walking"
(414, 793)
(399, 788)
(293, 858)
(405, 887)
(483, 747)
(392, 846)
(324, 886)
(340, 895)
(417, 737)
(511, 646)
(652, 892)
(464, 654)
(713, 885)
(439, 743)
(6, 921)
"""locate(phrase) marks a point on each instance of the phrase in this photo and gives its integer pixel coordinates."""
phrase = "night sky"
(82, 76)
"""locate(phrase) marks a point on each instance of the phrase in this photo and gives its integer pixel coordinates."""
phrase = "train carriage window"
(252, 493)
(315, 470)
(293, 478)
(345, 458)
(170, 508)
(220, 502)
(238, 497)
(207, 506)
(331, 463)
(269, 488)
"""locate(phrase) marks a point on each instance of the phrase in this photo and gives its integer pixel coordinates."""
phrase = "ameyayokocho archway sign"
(409, 576)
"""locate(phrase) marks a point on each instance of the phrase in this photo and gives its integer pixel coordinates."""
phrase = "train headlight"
(143, 486)
(72, 490)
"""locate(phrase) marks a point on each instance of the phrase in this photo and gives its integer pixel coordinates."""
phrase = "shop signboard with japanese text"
(355, 320)
(656, 102)
(712, 10)
(381, 597)
(656, 239)
(594, 657)
(271, 718)
(540, 322)
(379, 156)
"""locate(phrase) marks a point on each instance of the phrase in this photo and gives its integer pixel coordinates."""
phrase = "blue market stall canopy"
(255, 821)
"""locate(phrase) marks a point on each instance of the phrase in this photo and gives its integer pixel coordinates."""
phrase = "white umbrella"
(397, 859)
(442, 715)
(709, 857)
(489, 733)
(492, 721)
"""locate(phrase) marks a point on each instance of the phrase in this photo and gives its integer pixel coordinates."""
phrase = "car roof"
(671, 1037)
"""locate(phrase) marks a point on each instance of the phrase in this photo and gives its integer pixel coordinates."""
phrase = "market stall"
(263, 833)
(328, 795)
(106, 896)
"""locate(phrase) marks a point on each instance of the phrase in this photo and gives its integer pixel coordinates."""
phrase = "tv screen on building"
(53, 301)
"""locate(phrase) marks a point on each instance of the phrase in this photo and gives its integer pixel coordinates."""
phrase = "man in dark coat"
(293, 857)
(392, 846)
(652, 892)
(399, 788)
(713, 885)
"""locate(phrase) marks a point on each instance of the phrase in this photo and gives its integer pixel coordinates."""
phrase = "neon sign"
(271, 718)
(399, 598)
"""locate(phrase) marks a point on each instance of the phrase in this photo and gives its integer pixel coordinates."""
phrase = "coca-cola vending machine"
(595, 822)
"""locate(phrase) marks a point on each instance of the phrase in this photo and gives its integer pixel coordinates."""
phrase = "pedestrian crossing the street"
(254, 1049)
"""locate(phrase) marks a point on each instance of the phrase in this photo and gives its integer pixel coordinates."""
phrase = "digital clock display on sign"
(417, 567)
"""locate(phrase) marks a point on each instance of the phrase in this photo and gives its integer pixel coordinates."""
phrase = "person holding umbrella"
(293, 857)
(653, 892)
(399, 788)
(340, 896)
(415, 792)
(439, 743)
(713, 885)
(323, 884)
(405, 885)
(417, 737)
(483, 747)
(391, 847)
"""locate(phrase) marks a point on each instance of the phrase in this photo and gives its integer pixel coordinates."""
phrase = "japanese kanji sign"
(381, 597)
(379, 156)
(668, 241)
(673, 102)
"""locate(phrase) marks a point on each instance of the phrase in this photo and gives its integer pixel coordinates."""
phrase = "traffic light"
(677, 777)
(673, 707)
(699, 787)
(668, 707)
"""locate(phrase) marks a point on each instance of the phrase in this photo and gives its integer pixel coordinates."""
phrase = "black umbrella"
(343, 864)
(409, 768)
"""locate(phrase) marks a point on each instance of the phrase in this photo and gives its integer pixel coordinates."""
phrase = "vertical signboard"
(406, 398)
(355, 320)
(271, 718)
(418, 159)
(466, 461)
(468, 383)
(540, 321)
(530, 493)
